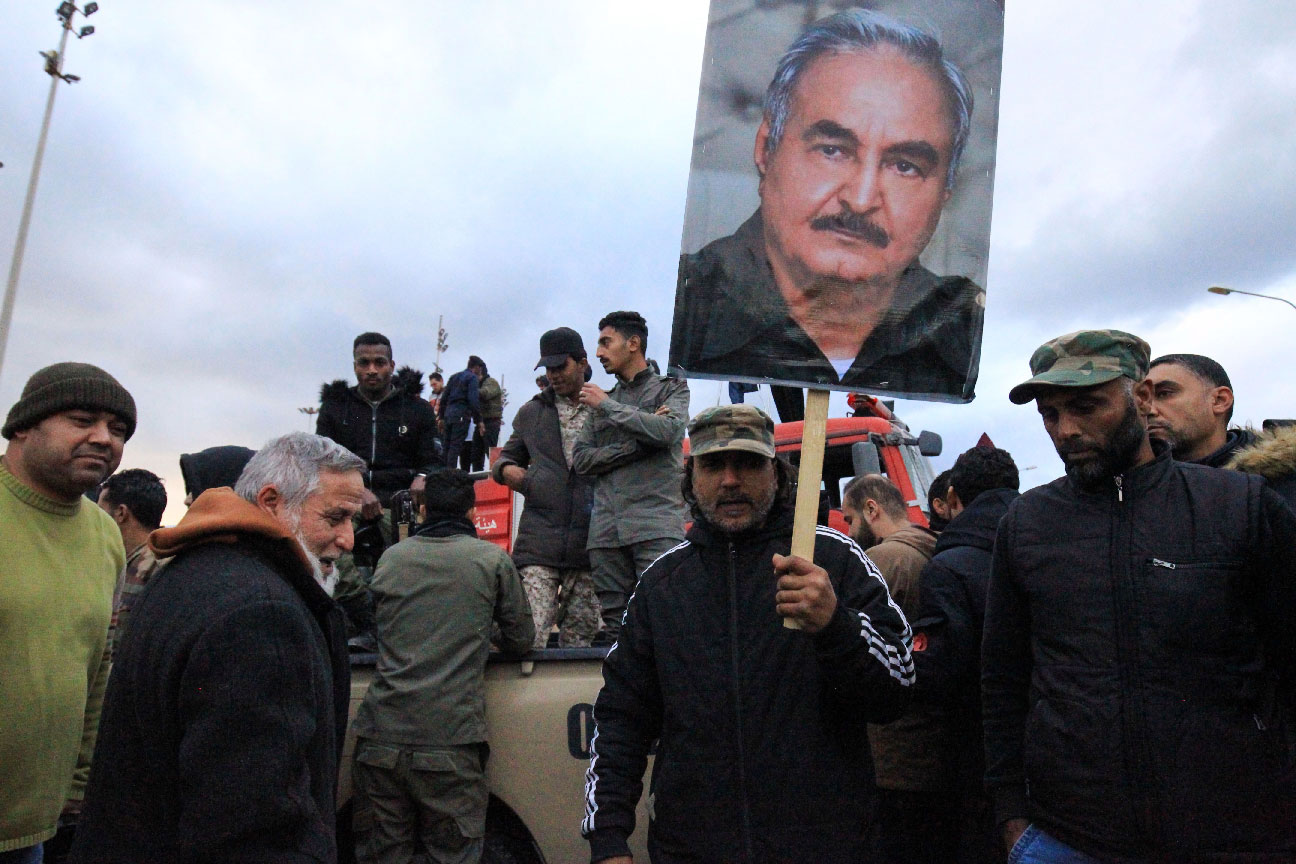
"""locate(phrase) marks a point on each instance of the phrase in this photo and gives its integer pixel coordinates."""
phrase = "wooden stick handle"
(805, 520)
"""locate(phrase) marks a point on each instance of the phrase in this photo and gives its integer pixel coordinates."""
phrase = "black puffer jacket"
(1133, 638)
(396, 438)
(763, 754)
(555, 520)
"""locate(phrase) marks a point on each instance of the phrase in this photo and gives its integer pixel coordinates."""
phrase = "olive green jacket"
(435, 598)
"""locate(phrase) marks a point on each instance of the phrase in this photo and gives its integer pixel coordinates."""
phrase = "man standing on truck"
(227, 706)
(633, 447)
(537, 463)
(420, 758)
(59, 560)
(1138, 648)
(490, 399)
(763, 753)
(385, 421)
(459, 408)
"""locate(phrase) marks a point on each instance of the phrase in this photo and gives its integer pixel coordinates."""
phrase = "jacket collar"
(440, 524)
(220, 516)
(1138, 479)
(778, 523)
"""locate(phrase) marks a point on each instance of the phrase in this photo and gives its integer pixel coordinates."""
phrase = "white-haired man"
(227, 706)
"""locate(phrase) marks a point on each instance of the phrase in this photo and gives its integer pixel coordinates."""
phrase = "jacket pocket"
(377, 755)
(1191, 609)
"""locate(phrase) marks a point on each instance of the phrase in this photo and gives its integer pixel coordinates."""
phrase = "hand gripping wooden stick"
(809, 478)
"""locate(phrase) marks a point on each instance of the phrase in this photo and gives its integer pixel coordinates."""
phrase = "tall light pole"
(54, 68)
(1219, 289)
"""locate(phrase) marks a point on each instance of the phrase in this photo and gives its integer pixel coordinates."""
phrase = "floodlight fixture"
(87, 30)
(90, 9)
(66, 10)
(71, 79)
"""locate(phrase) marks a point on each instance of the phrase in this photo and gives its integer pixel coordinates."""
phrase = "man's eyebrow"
(918, 151)
(829, 129)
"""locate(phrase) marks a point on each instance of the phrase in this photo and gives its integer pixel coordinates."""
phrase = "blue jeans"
(1037, 847)
(26, 855)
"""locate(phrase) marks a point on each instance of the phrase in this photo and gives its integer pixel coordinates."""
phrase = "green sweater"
(58, 566)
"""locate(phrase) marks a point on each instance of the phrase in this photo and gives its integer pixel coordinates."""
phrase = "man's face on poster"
(854, 189)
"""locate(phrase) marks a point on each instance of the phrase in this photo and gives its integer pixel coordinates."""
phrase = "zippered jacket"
(555, 520)
(1136, 643)
(763, 754)
(636, 458)
(396, 438)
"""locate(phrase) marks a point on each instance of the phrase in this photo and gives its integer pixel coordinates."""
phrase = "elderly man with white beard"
(227, 705)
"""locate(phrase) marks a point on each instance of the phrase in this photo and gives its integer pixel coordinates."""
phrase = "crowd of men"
(1100, 669)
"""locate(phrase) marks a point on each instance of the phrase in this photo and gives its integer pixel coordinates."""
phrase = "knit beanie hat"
(65, 386)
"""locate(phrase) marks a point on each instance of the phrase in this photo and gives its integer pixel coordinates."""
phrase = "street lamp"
(1219, 289)
(66, 12)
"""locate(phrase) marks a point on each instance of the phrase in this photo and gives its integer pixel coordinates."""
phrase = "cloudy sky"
(235, 189)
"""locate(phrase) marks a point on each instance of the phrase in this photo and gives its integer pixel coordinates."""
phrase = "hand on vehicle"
(416, 489)
(805, 593)
(1013, 829)
(593, 396)
(370, 506)
(514, 476)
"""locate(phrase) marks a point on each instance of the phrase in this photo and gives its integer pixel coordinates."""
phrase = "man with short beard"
(762, 752)
(1137, 651)
(227, 706)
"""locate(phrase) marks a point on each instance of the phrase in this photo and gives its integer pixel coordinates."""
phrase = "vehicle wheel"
(503, 849)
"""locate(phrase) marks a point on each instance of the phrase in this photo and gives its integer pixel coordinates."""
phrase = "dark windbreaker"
(763, 754)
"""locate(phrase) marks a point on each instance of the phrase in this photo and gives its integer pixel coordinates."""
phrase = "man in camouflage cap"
(1137, 634)
(755, 721)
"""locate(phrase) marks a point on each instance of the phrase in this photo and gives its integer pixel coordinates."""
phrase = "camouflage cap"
(1084, 359)
(731, 427)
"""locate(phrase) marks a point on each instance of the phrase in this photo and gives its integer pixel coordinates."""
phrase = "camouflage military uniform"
(140, 568)
(564, 598)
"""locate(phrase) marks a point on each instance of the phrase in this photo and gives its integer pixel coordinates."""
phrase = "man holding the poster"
(864, 125)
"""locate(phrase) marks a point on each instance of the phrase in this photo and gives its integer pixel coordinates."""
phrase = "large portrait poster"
(837, 229)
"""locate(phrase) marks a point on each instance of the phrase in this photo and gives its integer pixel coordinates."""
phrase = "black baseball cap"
(557, 345)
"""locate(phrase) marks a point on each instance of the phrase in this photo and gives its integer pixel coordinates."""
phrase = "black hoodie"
(396, 437)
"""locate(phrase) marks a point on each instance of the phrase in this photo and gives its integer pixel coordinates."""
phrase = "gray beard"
(329, 582)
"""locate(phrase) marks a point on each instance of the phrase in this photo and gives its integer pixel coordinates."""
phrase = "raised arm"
(660, 428)
(591, 458)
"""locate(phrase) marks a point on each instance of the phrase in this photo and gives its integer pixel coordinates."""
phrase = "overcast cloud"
(234, 190)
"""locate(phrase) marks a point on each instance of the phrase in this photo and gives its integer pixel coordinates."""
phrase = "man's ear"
(121, 514)
(472, 513)
(269, 500)
(759, 154)
(1221, 400)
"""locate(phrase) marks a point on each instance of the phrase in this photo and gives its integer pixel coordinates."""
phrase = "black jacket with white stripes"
(763, 754)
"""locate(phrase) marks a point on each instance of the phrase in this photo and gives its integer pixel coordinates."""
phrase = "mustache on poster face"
(857, 224)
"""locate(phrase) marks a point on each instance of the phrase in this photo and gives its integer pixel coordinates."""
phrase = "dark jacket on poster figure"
(555, 520)
(1271, 455)
(397, 437)
(763, 754)
(227, 705)
(1134, 642)
(731, 322)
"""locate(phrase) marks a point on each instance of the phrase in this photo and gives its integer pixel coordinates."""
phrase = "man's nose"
(101, 434)
(345, 537)
(862, 190)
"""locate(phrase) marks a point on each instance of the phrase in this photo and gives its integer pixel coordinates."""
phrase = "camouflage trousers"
(565, 598)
